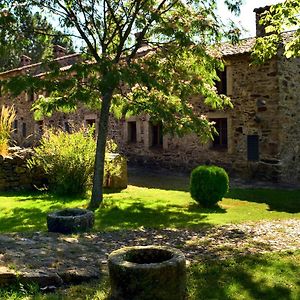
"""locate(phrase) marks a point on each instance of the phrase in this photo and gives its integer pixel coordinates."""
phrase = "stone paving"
(54, 259)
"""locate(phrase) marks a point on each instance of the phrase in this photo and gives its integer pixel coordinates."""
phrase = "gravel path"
(54, 259)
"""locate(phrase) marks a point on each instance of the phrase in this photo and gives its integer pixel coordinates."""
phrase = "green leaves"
(153, 54)
(281, 17)
(23, 32)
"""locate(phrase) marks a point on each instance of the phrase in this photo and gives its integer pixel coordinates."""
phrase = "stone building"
(258, 138)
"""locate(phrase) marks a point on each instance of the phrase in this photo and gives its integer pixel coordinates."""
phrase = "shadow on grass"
(24, 194)
(38, 195)
(216, 209)
(277, 200)
(21, 219)
(158, 181)
(247, 277)
(137, 215)
(32, 211)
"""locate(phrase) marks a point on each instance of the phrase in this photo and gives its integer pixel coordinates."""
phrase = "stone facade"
(259, 137)
(255, 94)
(289, 119)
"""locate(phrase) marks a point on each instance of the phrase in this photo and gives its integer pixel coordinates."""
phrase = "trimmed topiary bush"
(208, 185)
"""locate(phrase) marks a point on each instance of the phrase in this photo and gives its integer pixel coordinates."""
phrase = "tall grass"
(7, 117)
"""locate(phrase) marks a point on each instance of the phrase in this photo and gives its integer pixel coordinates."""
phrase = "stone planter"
(147, 273)
(116, 177)
(70, 220)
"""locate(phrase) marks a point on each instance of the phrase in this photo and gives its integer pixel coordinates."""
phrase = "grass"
(268, 277)
(139, 206)
(167, 203)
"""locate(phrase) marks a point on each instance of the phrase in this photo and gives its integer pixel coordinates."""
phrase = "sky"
(247, 16)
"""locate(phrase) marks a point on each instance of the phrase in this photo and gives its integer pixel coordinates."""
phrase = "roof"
(64, 61)
(242, 47)
(246, 45)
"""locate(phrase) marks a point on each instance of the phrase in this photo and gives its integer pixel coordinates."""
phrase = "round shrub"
(208, 185)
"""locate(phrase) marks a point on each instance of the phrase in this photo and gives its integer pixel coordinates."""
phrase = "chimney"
(59, 51)
(260, 29)
(143, 41)
(25, 61)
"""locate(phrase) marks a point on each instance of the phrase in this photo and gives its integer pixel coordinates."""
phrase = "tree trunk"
(97, 191)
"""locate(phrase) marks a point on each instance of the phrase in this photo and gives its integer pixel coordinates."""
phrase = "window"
(15, 126)
(24, 130)
(221, 139)
(222, 84)
(67, 127)
(156, 135)
(30, 95)
(132, 132)
(40, 127)
(90, 122)
(253, 147)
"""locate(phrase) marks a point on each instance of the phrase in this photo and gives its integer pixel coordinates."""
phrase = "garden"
(239, 243)
(244, 248)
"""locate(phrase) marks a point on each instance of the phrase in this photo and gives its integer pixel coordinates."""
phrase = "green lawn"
(150, 207)
(268, 276)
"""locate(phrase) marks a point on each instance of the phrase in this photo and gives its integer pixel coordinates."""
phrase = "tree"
(141, 56)
(277, 20)
(24, 32)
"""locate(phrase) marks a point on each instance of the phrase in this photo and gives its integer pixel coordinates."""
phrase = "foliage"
(7, 118)
(67, 159)
(125, 76)
(281, 17)
(208, 185)
(25, 32)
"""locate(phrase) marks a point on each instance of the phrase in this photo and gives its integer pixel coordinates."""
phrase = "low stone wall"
(15, 174)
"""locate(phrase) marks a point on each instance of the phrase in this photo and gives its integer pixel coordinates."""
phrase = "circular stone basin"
(70, 220)
(147, 272)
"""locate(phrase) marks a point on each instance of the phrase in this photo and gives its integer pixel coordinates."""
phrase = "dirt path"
(54, 259)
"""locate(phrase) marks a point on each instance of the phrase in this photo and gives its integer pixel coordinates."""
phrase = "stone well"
(70, 220)
(147, 272)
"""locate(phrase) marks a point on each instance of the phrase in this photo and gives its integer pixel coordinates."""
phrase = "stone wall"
(265, 100)
(289, 119)
(27, 131)
(15, 174)
(255, 94)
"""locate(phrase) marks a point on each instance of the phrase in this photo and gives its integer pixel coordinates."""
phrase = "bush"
(208, 185)
(67, 159)
(7, 118)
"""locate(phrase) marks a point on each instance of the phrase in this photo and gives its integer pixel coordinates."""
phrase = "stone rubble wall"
(276, 122)
(249, 85)
(289, 119)
(15, 174)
